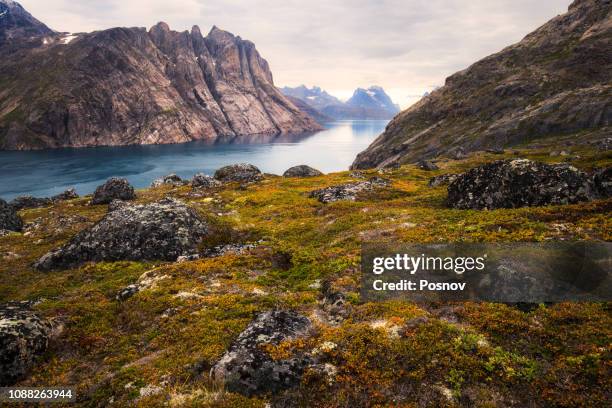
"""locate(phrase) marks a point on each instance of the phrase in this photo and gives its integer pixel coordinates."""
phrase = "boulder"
(347, 191)
(444, 179)
(602, 182)
(427, 165)
(9, 220)
(496, 150)
(247, 369)
(302, 171)
(518, 183)
(27, 201)
(242, 172)
(69, 194)
(23, 337)
(204, 181)
(114, 189)
(170, 180)
(163, 230)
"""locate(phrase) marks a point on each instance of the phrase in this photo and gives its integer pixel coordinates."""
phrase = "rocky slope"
(371, 103)
(131, 86)
(555, 81)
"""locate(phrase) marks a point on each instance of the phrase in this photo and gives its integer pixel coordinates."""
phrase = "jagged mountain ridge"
(557, 80)
(125, 86)
(371, 103)
(17, 24)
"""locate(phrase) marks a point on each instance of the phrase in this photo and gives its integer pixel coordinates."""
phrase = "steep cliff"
(556, 81)
(131, 86)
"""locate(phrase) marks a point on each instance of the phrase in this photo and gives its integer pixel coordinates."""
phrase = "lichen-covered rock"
(347, 191)
(9, 220)
(302, 171)
(444, 179)
(518, 183)
(27, 201)
(163, 230)
(169, 180)
(246, 368)
(114, 189)
(23, 336)
(242, 172)
(602, 182)
(201, 180)
(427, 165)
(69, 194)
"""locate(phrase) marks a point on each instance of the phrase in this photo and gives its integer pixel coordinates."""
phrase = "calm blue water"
(49, 172)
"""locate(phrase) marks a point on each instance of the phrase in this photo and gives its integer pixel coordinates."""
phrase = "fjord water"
(48, 172)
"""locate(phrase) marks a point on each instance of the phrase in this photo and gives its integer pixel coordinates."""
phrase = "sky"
(408, 47)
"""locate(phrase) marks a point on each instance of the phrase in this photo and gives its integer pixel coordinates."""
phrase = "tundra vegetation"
(156, 344)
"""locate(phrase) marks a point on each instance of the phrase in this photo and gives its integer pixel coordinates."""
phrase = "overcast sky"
(406, 46)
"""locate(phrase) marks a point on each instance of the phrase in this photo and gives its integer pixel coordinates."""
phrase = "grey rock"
(602, 182)
(604, 144)
(204, 181)
(9, 219)
(171, 180)
(443, 179)
(114, 189)
(457, 153)
(518, 183)
(23, 337)
(242, 172)
(302, 171)
(496, 150)
(221, 250)
(128, 292)
(247, 369)
(427, 165)
(27, 201)
(163, 230)
(348, 191)
(69, 194)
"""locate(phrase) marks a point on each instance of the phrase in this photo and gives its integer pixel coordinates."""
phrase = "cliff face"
(557, 80)
(128, 86)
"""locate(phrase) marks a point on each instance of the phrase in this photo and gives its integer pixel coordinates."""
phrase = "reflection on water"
(48, 172)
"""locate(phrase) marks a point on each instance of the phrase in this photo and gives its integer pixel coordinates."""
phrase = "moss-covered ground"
(169, 335)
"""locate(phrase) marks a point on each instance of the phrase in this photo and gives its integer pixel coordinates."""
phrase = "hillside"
(556, 81)
(131, 86)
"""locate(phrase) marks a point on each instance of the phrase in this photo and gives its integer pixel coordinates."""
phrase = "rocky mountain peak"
(129, 86)
(17, 24)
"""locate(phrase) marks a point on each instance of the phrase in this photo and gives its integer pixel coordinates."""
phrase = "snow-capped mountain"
(371, 103)
(314, 97)
(373, 98)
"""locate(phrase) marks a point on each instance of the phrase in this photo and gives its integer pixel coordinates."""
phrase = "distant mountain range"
(557, 81)
(371, 103)
(126, 86)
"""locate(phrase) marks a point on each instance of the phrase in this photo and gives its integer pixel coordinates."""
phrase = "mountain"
(17, 24)
(309, 110)
(131, 86)
(314, 97)
(556, 81)
(371, 103)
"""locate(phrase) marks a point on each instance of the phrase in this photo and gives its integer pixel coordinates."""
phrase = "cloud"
(403, 45)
